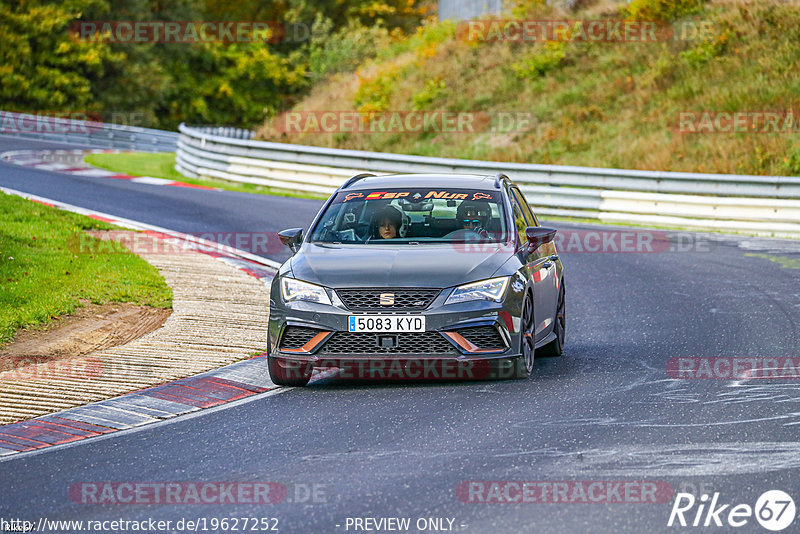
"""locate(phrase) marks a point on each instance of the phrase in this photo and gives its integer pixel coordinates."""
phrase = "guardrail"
(764, 205)
(90, 133)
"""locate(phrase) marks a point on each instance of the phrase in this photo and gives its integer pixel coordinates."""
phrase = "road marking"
(151, 180)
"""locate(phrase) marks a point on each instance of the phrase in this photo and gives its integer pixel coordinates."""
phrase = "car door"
(533, 260)
(538, 264)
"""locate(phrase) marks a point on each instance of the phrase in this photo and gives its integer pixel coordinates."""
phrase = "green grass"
(162, 165)
(43, 275)
(157, 165)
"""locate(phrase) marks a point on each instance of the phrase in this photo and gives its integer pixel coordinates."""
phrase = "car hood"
(439, 266)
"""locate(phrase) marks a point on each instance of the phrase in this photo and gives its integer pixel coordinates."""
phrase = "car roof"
(468, 181)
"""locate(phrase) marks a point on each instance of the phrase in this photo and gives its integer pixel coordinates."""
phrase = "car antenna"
(356, 178)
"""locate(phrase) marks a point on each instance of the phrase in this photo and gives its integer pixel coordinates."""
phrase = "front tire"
(291, 373)
(523, 364)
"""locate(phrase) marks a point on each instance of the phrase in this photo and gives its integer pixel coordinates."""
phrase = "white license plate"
(386, 323)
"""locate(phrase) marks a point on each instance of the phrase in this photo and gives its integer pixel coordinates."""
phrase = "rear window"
(418, 215)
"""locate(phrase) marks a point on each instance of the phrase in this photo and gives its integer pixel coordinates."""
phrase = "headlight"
(293, 290)
(492, 289)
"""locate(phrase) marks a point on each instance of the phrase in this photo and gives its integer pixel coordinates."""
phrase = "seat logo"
(387, 299)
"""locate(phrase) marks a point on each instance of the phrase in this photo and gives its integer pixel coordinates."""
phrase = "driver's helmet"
(470, 211)
(398, 219)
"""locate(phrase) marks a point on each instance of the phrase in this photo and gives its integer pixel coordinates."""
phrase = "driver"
(474, 216)
(388, 224)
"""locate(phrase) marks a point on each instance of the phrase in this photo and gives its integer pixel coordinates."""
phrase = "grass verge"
(42, 277)
(162, 165)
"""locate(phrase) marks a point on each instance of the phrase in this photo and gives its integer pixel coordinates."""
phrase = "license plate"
(386, 323)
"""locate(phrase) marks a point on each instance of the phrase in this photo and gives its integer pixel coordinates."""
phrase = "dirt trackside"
(89, 328)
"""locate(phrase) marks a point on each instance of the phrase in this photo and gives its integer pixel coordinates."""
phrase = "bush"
(663, 10)
(345, 49)
(428, 36)
(711, 47)
(433, 90)
(524, 8)
(542, 60)
(374, 93)
(792, 161)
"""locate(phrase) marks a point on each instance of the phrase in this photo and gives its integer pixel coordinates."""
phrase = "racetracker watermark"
(67, 122)
(752, 122)
(629, 242)
(137, 492)
(733, 368)
(46, 368)
(122, 241)
(377, 122)
(187, 32)
(591, 31)
(405, 369)
(564, 492)
(597, 242)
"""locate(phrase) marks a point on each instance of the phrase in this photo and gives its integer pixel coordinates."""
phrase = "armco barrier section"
(88, 133)
(764, 205)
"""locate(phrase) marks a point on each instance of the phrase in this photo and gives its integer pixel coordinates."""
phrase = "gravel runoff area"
(219, 317)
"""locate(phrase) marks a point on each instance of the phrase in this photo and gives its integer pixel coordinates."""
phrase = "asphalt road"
(605, 411)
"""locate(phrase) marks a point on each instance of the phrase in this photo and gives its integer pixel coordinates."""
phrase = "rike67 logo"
(774, 510)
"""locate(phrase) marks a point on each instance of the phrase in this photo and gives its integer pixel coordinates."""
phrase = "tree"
(45, 67)
(41, 66)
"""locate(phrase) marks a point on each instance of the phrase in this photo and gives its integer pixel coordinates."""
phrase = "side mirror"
(538, 236)
(292, 238)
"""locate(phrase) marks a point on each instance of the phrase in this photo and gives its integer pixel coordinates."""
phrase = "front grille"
(294, 337)
(404, 299)
(407, 343)
(483, 337)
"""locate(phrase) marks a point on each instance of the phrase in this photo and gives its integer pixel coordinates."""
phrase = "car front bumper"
(443, 324)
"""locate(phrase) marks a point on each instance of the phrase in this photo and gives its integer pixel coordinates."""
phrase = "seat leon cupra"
(413, 276)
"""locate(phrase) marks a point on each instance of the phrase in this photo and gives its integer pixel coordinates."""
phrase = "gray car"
(418, 277)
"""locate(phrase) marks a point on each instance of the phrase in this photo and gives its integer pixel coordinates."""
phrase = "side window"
(519, 220)
(526, 209)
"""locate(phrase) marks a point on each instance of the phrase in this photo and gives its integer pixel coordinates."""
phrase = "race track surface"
(605, 411)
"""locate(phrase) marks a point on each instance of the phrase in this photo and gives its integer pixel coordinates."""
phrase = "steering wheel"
(362, 230)
(469, 234)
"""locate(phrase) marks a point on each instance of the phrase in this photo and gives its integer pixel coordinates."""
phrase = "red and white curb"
(150, 405)
(46, 160)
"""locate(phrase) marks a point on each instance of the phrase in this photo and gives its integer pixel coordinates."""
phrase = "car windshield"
(412, 215)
